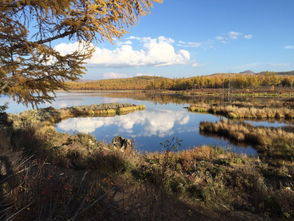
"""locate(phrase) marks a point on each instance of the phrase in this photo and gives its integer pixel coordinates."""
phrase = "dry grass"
(223, 181)
(235, 112)
(51, 115)
(273, 144)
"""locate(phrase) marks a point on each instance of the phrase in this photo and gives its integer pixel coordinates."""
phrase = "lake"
(148, 128)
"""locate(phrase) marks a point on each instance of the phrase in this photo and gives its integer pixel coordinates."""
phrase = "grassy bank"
(275, 145)
(52, 115)
(235, 112)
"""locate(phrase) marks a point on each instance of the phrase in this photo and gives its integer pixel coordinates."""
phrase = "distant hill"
(245, 79)
(252, 72)
(247, 72)
(139, 82)
(289, 73)
(285, 73)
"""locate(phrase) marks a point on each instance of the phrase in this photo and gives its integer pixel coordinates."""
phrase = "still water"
(148, 128)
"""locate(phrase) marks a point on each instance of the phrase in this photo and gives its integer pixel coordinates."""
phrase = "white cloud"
(113, 75)
(221, 39)
(289, 47)
(139, 74)
(189, 44)
(149, 39)
(67, 48)
(195, 64)
(248, 36)
(234, 35)
(261, 66)
(280, 65)
(120, 43)
(154, 52)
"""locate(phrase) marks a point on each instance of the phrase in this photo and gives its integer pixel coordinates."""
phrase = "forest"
(231, 80)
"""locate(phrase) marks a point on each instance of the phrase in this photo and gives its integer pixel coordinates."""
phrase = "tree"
(31, 69)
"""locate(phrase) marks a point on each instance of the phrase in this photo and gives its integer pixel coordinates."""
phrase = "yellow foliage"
(233, 81)
(30, 67)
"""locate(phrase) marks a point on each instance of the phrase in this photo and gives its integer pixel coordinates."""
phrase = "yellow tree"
(31, 69)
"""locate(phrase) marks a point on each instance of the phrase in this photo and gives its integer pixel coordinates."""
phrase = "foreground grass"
(224, 182)
(207, 183)
(47, 175)
(204, 183)
(35, 186)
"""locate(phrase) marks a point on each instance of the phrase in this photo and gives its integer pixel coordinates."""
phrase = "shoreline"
(278, 92)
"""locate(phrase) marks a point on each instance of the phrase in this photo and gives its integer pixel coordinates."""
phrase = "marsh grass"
(274, 144)
(236, 112)
(52, 116)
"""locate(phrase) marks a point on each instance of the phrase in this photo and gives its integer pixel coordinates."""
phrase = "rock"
(123, 144)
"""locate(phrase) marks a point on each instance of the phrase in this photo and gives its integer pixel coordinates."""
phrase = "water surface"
(276, 124)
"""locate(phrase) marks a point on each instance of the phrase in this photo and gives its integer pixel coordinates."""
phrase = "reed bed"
(235, 112)
(275, 145)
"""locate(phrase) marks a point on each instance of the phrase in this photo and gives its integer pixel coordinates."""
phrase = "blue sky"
(182, 38)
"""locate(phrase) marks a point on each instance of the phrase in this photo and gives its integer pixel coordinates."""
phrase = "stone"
(123, 144)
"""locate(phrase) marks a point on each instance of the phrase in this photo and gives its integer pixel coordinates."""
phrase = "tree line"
(238, 81)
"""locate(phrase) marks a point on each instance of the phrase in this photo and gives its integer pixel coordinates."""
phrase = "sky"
(184, 38)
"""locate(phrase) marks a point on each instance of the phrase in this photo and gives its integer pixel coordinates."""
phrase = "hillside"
(220, 80)
(140, 82)
(285, 73)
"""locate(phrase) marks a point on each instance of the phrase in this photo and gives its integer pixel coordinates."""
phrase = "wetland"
(190, 151)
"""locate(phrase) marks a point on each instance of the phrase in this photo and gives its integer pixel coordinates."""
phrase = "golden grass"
(234, 112)
(243, 132)
(274, 144)
(223, 181)
(52, 115)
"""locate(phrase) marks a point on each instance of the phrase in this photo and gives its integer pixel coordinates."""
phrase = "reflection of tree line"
(165, 98)
(161, 98)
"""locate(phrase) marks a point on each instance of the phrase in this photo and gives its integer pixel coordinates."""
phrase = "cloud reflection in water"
(152, 123)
